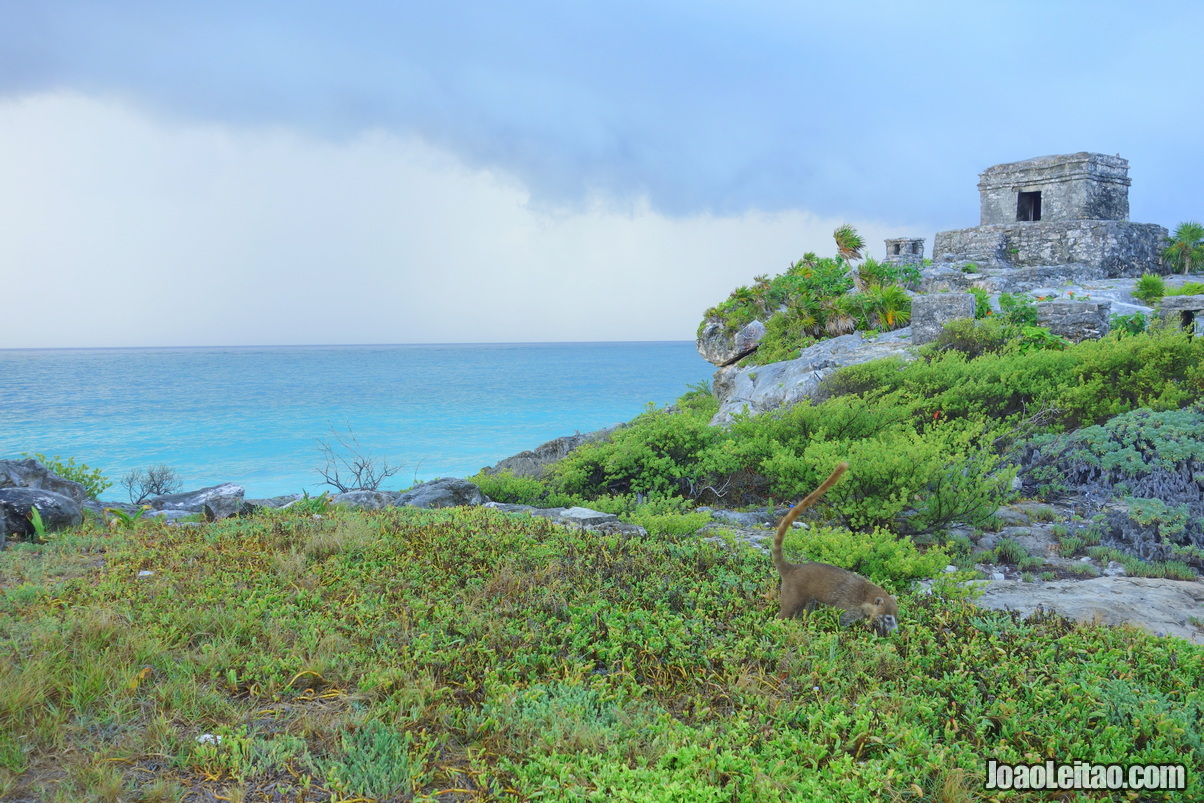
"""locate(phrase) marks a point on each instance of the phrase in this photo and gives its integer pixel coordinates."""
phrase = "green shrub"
(1188, 289)
(982, 303)
(1008, 550)
(93, 480)
(658, 453)
(1150, 288)
(879, 555)
(1018, 309)
(507, 488)
(972, 338)
(1133, 324)
(1162, 370)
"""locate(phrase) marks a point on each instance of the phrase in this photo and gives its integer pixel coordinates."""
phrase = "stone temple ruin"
(1049, 220)
(905, 250)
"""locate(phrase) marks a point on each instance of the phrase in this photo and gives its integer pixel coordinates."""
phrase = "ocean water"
(255, 415)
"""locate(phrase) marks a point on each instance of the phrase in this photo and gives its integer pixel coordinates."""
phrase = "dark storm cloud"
(875, 110)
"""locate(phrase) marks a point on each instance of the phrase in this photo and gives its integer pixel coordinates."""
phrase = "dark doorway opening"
(1187, 319)
(1028, 206)
(894, 249)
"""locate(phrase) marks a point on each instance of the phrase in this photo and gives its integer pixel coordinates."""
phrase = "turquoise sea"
(254, 415)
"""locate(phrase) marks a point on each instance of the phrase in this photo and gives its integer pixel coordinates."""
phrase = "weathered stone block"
(930, 313)
(1076, 320)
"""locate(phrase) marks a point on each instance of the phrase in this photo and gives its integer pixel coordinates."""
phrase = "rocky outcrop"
(535, 462)
(215, 502)
(443, 492)
(758, 388)
(29, 473)
(56, 510)
(1163, 607)
(720, 346)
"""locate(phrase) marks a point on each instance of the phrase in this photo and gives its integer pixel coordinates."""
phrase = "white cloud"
(124, 230)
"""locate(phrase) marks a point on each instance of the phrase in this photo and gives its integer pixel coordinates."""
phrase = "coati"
(806, 584)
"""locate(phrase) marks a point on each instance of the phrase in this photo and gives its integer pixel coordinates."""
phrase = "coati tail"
(796, 511)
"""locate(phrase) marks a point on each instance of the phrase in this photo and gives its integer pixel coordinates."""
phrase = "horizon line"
(335, 345)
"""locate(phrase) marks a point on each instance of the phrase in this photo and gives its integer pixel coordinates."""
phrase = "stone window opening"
(1028, 207)
(894, 249)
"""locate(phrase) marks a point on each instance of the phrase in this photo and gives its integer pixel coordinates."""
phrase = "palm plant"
(1186, 246)
(849, 244)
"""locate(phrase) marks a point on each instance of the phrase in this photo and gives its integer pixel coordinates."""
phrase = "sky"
(289, 173)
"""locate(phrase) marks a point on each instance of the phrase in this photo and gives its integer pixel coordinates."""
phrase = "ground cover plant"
(467, 654)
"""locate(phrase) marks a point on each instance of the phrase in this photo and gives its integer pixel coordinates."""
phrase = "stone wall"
(1118, 247)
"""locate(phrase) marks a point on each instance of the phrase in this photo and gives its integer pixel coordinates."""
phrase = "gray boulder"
(720, 347)
(1163, 607)
(578, 517)
(758, 388)
(369, 500)
(739, 518)
(443, 492)
(584, 517)
(222, 500)
(29, 473)
(536, 462)
(57, 511)
(251, 505)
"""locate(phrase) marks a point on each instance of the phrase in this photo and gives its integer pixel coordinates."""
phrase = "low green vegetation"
(467, 654)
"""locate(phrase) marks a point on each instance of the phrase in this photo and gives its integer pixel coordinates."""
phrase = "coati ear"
(878, 600)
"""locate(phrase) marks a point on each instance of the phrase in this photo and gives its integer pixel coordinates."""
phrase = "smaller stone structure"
(1188, 309)
(930, 313)
(1076, 320)
(905, 250)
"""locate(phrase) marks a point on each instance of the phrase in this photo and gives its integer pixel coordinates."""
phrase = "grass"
(462, 654)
